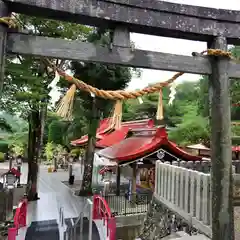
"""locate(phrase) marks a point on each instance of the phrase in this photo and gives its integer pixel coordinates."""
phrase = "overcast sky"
(175, 46)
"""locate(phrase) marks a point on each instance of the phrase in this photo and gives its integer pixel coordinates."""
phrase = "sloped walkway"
(53, 195)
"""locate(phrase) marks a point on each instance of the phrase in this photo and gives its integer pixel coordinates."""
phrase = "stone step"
(176, 235)
(196, 237)
(183, 236)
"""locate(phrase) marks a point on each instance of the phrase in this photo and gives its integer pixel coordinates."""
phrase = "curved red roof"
(236, 148)
(113, 137)
(103, 128)
(120, 134)
(109, 136)
(144, 144)
(139, 123)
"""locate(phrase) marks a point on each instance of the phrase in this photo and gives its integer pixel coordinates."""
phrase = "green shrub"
(49, 151)
(236, 141)
(3, 146)
(56, 132)
(75, 152)
(1, 157)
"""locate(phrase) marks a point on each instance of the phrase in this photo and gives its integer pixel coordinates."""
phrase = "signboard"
(160, 154)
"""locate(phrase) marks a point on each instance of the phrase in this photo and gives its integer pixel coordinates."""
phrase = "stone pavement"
(53, 195)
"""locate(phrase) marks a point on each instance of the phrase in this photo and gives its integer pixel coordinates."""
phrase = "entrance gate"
(214, 26)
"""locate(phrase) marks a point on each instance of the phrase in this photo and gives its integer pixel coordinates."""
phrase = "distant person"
(19, 161)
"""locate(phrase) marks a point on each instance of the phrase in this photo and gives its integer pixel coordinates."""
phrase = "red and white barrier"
(19, 221)
(101, 211)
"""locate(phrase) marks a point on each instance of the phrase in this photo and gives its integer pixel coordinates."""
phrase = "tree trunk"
(43, 116)
(86, 188)
(34, 122)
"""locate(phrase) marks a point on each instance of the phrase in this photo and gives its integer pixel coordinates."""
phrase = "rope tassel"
(159, 115)
(116, 120)
(65, 107)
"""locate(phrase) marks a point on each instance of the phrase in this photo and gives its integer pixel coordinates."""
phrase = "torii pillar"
(221, 145)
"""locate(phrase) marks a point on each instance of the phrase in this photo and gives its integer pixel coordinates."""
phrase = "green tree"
(192, 129)
(5, 126)
(56, 132)
(186, 94)
(108, 77)
(26, 87)
(203, 102)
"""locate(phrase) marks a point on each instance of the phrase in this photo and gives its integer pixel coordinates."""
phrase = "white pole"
(90, 219)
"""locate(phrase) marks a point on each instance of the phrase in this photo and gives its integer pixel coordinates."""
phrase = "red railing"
(101, 210)
(19, 220)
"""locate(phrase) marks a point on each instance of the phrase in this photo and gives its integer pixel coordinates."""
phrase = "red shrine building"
(107, 135)
(135, 156)
(131, 152)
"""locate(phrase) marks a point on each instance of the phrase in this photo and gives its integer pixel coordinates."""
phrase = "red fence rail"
(101, 210)
(19, 220)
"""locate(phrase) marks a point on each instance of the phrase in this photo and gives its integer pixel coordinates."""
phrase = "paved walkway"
(53, 195)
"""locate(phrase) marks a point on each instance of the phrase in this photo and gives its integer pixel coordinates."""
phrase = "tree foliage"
(56, 132)
(103, 76)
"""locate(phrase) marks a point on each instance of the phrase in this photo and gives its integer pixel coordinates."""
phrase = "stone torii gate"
(214, 26)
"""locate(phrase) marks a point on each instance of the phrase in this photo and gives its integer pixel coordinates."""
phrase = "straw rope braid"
(121, 94)
(10, 22)
(114, 95)
(218, 53)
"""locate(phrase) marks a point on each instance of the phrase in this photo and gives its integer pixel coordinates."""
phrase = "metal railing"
(102, 212)
(128, 204)
(71, 230)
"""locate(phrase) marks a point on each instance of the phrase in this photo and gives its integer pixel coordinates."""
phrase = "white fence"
(186, 192)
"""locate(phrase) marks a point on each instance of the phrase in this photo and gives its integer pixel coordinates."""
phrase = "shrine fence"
(187, 192)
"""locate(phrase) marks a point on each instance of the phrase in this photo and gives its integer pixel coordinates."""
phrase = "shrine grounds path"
(53, 192)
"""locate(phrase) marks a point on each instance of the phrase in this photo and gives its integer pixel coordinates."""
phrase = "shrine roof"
(143, 143)
(106, 136)
(236, 148)
(113, 137)
(102, 129)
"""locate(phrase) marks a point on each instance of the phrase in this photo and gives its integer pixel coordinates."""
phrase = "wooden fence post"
(221, 153)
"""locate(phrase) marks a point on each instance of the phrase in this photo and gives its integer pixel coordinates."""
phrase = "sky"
(174, 46)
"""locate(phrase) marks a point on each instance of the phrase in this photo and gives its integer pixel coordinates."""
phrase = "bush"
(3, 146)
(76, 152)
(56, 132)
(1, 157)
(236, 141)
(49, 151)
